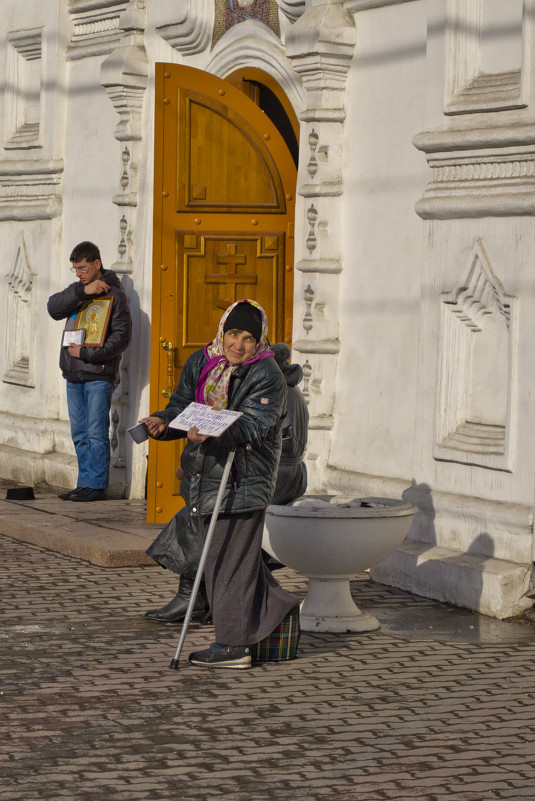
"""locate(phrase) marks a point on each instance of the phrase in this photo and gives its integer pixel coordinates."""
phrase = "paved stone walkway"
(432, 706)
(110, 533)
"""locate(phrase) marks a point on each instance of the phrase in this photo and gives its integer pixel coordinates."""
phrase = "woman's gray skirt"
(247, 603)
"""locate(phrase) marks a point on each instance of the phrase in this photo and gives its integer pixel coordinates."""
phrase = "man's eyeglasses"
(79, 269)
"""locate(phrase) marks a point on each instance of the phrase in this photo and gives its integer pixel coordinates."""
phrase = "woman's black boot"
(175, 610)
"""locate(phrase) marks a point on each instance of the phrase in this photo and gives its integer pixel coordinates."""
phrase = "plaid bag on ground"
(282, 643)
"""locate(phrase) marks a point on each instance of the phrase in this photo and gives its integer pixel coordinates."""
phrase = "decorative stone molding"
(124, 74)
(325, 266)
(321, 422)
(480, 183)
(329, 347)
(480, 167)
(292, 9)
(96, 27)
(191, 32)
(311, 240)
(30, 190)
(119, 406)
(477, 374)
(307, 373)
(19, 320)
(472, 84)
(251, 44)
(365, 5)
(518, 134)
(323, 154)
(308, 320)
(23, 90)
(312, 166)
(320, 45)
(117, 434)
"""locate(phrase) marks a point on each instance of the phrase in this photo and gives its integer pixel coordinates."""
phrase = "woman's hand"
(194, 436)
(155, 426)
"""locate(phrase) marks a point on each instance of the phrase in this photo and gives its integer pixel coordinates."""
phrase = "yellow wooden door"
(224, 194)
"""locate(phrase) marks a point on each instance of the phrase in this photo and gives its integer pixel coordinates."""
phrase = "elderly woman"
(251, 612)
(178, 546)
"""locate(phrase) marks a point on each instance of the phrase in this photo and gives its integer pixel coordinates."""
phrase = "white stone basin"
(329, 539)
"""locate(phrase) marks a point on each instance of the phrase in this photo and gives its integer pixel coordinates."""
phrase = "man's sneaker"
(222, 656)
(88, 494)
(66, 496)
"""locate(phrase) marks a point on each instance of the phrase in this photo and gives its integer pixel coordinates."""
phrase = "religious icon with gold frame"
(94, 317)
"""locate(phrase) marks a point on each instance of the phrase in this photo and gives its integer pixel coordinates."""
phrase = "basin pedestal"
(329, 606)
(329, 539)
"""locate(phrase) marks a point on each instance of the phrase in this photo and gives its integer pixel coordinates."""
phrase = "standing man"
(91, 372)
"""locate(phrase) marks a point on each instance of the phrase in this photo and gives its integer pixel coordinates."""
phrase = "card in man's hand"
(76, 337)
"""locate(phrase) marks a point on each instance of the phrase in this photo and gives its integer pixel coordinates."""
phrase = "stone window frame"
(468, 88)
(20, 316)
(24, 90)
(457, 437)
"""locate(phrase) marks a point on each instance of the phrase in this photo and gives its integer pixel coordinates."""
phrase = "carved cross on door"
(229, 279)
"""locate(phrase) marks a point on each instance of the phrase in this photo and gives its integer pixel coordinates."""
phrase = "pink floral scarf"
(213, 385)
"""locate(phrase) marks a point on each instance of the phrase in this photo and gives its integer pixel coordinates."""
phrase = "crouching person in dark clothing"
(292, 472)
(252, 614)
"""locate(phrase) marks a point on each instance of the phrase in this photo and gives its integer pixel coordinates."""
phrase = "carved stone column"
(320, 45)
(124, 74)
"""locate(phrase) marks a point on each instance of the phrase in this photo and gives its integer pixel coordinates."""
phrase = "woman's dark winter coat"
(178, 546)
(258, 391)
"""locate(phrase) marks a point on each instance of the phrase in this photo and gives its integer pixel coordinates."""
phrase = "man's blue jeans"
(89, 406)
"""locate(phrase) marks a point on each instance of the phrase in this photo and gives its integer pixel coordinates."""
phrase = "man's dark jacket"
(94, 364)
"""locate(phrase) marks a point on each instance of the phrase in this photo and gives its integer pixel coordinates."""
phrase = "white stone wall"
(472, 472)
(31, 187)
(376, 387)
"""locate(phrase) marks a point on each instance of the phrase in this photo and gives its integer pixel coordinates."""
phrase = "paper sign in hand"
(209, 422)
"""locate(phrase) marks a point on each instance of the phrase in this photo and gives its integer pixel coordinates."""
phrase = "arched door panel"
(224, 194)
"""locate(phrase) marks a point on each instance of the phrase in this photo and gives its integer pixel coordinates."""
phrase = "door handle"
(167, 345)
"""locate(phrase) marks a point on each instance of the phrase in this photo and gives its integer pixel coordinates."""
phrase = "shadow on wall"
(462, 568)
(482, 545)
(423, 526)
(135, 377)
(138, 352)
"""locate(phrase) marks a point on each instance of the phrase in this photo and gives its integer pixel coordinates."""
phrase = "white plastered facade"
(414, 302)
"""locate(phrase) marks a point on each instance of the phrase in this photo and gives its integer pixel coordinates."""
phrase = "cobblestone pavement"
(92, 712)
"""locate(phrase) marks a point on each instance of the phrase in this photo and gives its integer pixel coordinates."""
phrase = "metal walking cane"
(204, 554)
